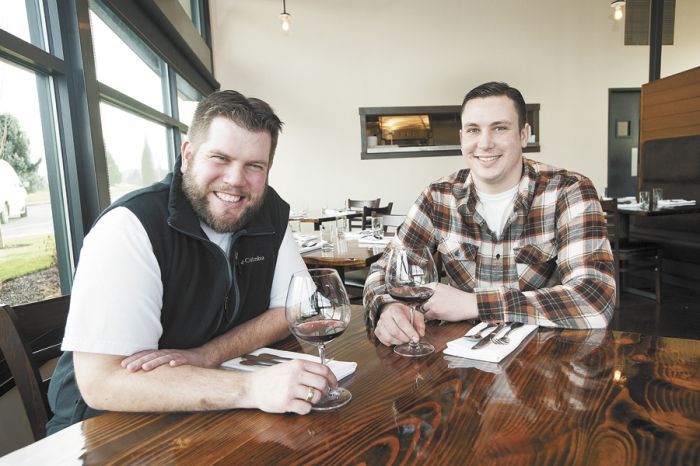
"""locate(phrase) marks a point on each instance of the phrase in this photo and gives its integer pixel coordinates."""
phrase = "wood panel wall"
(670, 107)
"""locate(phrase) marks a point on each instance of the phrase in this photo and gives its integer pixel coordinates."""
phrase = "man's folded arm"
(105, 385)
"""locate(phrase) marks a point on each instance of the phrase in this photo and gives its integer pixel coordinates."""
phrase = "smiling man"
(182, 275)
(519, 240)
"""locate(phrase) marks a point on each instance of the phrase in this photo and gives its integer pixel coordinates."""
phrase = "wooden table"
(317, 218)
(568, 397)
(345, 254)
(658, 212)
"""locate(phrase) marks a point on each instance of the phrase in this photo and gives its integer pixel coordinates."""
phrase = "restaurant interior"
(96, 97)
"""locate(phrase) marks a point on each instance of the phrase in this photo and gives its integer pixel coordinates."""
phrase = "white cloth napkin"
(626, 200)
(373, 240)
(312, 242)
(490, 352)
(337, 212)
(630, 206)
(311, 247)
(358, 234)
(675, 202)
(341, 369)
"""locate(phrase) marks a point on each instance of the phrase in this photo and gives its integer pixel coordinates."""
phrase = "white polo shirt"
(117, 292)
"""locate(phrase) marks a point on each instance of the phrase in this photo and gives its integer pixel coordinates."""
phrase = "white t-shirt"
(496, 208)
(117, 292)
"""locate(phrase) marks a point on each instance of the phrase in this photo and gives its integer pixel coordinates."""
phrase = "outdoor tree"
(113, 172)
(148, 172)
(14, 148)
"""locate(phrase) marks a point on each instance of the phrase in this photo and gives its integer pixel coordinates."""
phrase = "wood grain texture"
(567, 397)
(346, 253)
(670, 107)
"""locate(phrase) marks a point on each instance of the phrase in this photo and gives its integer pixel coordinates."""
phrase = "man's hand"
(451, 304)
(394, 325)
(284, 388)
(150, 359)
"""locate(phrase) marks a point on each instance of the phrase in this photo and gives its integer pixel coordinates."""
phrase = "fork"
(480, 334)
(503, 339)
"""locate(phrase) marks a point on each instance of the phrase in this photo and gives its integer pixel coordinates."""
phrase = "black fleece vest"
(205, 292)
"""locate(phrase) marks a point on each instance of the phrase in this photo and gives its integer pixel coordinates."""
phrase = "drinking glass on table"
(411, 277)
(317, 311)
(644, 200)
(657, 196)
(377, 227)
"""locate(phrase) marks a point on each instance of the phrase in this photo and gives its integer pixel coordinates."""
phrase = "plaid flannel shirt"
(551, 266)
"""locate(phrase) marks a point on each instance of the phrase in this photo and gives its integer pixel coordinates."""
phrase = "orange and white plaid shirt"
(551, 266)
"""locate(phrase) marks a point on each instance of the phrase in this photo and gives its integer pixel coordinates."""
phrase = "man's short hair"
(495, 89)
(247, 112)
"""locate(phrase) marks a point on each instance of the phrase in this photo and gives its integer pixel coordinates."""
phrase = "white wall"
(341, 55)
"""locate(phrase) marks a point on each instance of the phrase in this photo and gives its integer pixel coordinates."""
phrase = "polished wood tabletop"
(566, 397)
(345, 253)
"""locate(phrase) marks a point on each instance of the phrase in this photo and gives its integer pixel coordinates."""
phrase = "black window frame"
(78, 183)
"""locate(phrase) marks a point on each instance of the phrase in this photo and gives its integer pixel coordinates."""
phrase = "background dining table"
(317, 218)
(627, 212)
(564, 397)
(346, 254)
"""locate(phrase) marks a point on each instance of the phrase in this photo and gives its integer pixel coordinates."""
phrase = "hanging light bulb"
(617, 6)
(285, 17)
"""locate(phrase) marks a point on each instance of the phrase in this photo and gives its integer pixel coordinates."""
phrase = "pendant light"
(285, 17)
(617, 5)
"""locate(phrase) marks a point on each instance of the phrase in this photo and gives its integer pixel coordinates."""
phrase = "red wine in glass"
(411, 277)
(318, 331)
(412, 295)
(317, 311)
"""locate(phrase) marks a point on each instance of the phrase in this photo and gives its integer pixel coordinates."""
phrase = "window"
(135, 149)
(195, 10)
(88, 125)
(124, 62)
(187, 99)
(23, 18)
(29, 257)
(142, 112)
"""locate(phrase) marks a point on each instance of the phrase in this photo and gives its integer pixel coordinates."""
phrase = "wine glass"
(317, 311)
(411, 277)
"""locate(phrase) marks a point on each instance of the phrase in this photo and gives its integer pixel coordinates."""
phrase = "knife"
(487, 339)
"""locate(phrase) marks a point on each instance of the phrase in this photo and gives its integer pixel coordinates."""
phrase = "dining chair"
(357, 205)
(31, 335)
(368, 212)
(355, 279)
(393, 221)
(631, 256)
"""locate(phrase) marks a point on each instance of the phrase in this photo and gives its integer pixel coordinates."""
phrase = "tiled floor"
(677, 316)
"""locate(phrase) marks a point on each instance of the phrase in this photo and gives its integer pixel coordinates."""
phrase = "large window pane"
(28, 257)
(187, 99)
(136, 150)
(124, 62)
(24, 19)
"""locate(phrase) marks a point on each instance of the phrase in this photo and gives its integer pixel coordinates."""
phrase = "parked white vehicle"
(13, 195)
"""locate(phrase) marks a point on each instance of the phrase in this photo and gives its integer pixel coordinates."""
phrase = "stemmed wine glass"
(411, 277)
(317, 311)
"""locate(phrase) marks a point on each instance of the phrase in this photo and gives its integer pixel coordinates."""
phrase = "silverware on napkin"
(487, 339)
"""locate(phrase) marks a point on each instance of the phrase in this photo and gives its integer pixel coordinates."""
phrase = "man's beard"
(197, 196)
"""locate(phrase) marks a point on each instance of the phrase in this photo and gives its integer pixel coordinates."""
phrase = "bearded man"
(180, 276)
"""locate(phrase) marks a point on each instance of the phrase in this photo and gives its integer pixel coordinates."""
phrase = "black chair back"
(368, 212)
(356, 204)
(31, 335)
